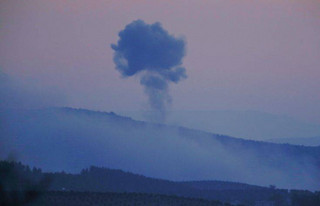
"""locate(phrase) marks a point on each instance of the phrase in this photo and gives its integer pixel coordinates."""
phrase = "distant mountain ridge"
(305, 141)
(71, 139)
(243, 124)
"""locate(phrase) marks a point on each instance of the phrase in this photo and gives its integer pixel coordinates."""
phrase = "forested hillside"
(118, 199)
(104, 186)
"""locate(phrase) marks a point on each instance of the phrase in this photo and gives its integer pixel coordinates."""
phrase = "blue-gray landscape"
(159, 103)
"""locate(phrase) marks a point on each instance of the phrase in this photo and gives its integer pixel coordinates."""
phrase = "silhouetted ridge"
(101, 183)
(80, 111)
(221, 185)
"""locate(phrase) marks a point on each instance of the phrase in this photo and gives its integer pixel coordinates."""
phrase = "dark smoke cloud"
(155, 55)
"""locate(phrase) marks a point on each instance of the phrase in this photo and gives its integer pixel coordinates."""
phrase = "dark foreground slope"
(105, 180)
(118, 199)
(72, 139)
(104, 186)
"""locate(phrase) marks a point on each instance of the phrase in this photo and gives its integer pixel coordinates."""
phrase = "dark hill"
(18, 177)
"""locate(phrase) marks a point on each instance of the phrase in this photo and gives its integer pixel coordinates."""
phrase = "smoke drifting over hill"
(69, 140)
(156, 56)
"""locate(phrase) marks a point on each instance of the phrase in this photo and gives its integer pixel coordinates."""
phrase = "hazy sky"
(241, 55)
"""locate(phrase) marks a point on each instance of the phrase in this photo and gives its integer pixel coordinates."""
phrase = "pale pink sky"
(241, 55)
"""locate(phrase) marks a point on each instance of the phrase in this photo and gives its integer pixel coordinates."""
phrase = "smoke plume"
(149, 51)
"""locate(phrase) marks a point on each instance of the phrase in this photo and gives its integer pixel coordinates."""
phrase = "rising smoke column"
(149, 51)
